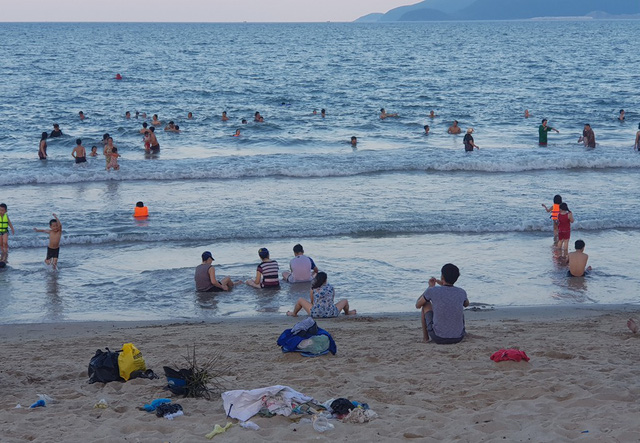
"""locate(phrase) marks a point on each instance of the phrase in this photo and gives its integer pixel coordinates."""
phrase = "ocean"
(380, 218)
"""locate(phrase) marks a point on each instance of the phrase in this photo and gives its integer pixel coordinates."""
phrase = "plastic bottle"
(102, 404)
(321, 424)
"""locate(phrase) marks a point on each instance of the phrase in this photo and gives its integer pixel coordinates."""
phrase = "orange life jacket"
(555, 210)
(141, 212)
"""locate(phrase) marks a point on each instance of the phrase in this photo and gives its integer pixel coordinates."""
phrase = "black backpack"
(103, 367)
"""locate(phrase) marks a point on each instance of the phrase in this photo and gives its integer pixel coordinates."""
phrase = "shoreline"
(525, 313)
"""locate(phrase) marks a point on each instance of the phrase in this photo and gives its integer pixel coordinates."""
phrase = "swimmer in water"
(636, 146)
(237, 134)
(190, 115)
(526, 113)
(354, 141)
(261, 119)
(113, 160)
(155, 121)
(224, 116)
(454, 128)
(315, 112)
(118, 77)
(94, 151)
(108, 149)
(144, 128)
(426, 129)
(621, 116)
(323, 113)
(153, 141)
(244, 121)
(79, 153)
(147, 141)
(56, 131)
(256, 117)
(105, 138)
(81, 115)
(383, 114)
(170, 127)
(127, 115)
(432, 114)
(42, 148)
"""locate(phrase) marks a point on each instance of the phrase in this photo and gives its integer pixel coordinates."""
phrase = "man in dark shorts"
(205, 276)
(79, 152)
(155, 146)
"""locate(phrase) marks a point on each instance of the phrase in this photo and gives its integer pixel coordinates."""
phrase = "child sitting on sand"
(321, 305)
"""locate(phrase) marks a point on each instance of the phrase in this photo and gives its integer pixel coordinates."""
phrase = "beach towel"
(509, 354)
(289, 342)
(245, 404)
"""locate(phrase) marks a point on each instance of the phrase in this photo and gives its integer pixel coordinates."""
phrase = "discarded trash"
(45, 398)
(218, 430)
(584, 432)
(39, 404)
(18, 406)
(167, 408)
(155, 403)
(321, 424)
(359, 415)
(174, 415)
(102, 404)
(250, 425)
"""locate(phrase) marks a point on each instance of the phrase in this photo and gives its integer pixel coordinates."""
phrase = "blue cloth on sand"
(289, 342)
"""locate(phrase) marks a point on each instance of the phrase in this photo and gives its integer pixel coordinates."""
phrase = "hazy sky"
(194, 10)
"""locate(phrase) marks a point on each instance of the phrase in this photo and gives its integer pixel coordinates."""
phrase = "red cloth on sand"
(509, 354)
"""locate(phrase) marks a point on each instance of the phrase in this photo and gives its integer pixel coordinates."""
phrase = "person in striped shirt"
(267, 274)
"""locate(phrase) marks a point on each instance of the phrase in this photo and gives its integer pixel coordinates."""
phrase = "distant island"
(448, 10)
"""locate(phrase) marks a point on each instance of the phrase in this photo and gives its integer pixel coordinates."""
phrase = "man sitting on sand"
(442, 308)
(577, 261)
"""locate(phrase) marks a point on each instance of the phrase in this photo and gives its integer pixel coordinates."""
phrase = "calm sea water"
(380, 219)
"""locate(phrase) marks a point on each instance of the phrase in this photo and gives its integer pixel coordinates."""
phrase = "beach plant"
(206, 377)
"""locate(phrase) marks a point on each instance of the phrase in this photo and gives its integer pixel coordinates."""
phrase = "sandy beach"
(581, 383)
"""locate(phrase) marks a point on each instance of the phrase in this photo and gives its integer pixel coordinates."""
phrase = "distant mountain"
(373, 17)
(430, 10)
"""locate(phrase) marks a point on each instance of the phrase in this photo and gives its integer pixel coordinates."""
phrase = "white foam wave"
(360, 231)
(334, 165)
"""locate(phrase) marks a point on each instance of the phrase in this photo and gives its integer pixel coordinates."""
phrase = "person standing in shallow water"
(588, 136)
(636, 145)
(42, 148)
(543, 129)
(468, 141)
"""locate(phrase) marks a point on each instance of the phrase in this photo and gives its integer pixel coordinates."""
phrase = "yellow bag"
(130, 360)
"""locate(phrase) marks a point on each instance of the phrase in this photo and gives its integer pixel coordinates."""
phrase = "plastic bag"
(103, 367)
(130, 360)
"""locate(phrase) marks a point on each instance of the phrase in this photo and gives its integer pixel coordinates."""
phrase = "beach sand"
(582, 383)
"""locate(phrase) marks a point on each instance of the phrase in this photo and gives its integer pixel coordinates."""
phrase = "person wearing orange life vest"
(140, 211)
(554, 210)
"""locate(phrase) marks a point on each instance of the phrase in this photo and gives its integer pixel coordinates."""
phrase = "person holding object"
(442, 308)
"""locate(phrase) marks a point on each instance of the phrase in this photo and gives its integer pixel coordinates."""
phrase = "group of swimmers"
(302, 269)
(152, 146)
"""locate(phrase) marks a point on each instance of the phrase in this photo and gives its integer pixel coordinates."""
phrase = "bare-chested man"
(577, 261)
(79, 153)
(383, 114)
(153, 141)
(432, 114)
(155, 121)
(144, 128)
(55, 234)
(454, 128)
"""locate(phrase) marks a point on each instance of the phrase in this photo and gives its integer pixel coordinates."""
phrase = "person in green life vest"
(542, 132)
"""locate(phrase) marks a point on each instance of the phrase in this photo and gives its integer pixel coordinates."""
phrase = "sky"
(193, 10)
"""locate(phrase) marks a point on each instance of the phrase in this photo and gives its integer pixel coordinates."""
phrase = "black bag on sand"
(103, 367)
(177, 380)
